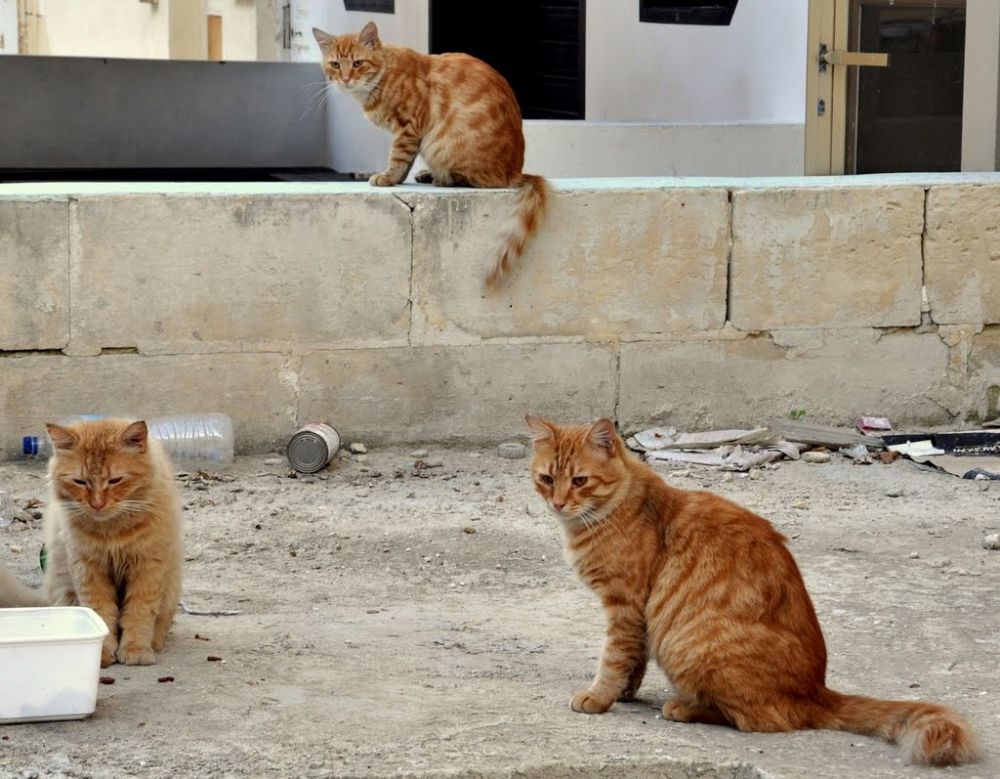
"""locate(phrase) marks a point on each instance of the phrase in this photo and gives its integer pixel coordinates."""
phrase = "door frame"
(826, 134)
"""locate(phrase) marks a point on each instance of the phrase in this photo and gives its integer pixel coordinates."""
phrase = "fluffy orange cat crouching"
(710, 591)
(113, 536)
(455, 110)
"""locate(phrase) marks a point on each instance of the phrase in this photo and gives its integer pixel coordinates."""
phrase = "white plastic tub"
(50, 661)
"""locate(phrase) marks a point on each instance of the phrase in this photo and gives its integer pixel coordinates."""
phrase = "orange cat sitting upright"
(113, 535)
(710, 591)
(455, 110)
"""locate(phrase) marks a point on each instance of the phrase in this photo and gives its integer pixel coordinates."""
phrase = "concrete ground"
(399, 621)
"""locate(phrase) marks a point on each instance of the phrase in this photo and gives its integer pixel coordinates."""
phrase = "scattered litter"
(208, 612)
(202, 638)
(895, 492)
(916, 450)
(914, 555)
(654, 438)
(858, 454)
(696, 458)
(820, 435)
(888, 457)
(418, 454)
(873, 426)
(992, 541)
(742, 460)
(16, 548)
(511, 450)
(164, 679)
(274, 461)
(214, 659)
(970, 454)
(992, 423)
(430, 462)
(468, 530)
(816, 456)
(802, 504)
(312, 447)
(358, 448)
(107, 680)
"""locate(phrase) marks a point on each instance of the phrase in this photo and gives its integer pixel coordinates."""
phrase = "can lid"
(307, 452)
(29, 445)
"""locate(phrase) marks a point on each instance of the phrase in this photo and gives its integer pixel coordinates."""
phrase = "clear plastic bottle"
(196, 440)
(192, 440)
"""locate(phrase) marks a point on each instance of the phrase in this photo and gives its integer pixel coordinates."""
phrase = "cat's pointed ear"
(369, 36)
(539, 429)
(61, 437)
(602, 435)
(324, 39)
(134, 436)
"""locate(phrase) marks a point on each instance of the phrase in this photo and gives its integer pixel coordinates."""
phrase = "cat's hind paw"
(381, 180)
(585, 702)
(424, 177)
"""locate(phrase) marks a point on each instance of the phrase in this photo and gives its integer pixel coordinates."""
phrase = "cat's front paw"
(381, 180)
(131, 654)
(586, 702)
(108, 650)
(424, 177)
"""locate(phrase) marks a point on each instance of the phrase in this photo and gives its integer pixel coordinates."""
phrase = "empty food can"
(312, 447)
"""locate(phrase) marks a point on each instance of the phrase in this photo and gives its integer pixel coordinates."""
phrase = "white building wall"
(753, 70)
(8, 26)
(697, 100)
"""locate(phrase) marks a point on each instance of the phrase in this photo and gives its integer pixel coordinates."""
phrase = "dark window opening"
(537, 45)
(372, 6)
(29, 175)
(687, 11)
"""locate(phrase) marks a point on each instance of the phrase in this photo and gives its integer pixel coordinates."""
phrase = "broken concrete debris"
(992, 541)
(743, 450)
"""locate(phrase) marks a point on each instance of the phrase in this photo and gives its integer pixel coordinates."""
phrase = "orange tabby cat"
(113, 536)
(455, 110)
(711, 591)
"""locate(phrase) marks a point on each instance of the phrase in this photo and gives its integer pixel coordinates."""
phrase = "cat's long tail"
(14, 594)
(529, 208)
(927, 733)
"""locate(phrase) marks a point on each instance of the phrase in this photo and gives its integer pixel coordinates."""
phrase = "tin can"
(312, 447)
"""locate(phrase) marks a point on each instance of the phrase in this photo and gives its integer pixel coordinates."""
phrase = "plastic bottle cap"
(29, 445)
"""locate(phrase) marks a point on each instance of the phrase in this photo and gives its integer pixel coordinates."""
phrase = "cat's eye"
(116, 480)
(544, 478)
(80, 482)
(335, 65)
(358, 63)
(579, 481)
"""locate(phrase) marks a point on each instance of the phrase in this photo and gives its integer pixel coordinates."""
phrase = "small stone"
(512, 450)
(992, 541)
(895, 492)
(755, 475)
(801, 504)
(16, 548)
(816, 457)
(418, 453)
(914, 555)
(943, 563)
(358, 448)
(468, 530)
(274, 461)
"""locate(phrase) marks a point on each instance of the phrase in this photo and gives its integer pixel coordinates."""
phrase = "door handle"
(862, 59)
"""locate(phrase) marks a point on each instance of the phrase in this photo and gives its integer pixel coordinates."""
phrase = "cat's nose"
(97, 503)
(558, 506)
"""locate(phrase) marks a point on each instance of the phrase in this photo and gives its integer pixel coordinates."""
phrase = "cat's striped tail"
(14, 594)
(927, 733)
(529, 209)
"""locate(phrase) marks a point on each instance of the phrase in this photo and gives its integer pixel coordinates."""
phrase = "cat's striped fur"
(456, 111)
(710, 591)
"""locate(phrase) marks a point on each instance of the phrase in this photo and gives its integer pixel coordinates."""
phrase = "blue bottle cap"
(29, 445)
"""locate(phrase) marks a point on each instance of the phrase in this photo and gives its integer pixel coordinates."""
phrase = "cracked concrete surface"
(381, 638)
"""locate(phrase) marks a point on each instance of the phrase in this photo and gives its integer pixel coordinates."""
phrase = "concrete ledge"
(699, 302)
